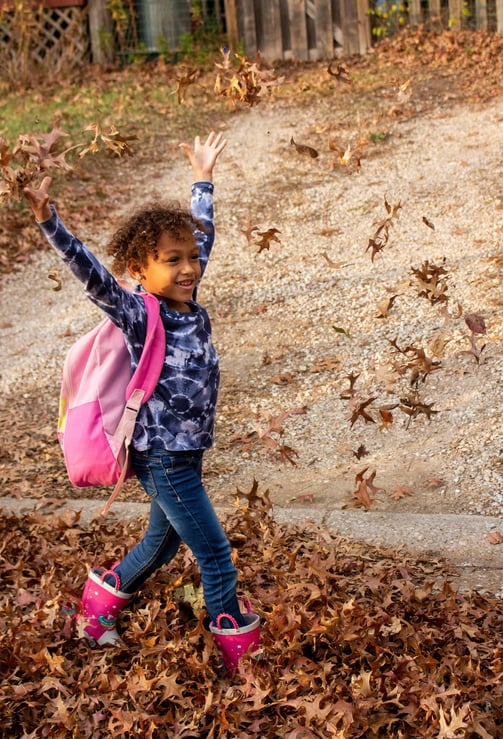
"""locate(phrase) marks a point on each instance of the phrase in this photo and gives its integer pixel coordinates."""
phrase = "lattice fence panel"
(50, 38)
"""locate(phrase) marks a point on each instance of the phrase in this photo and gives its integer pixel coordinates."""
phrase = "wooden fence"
(484, 15)
(299, 29)
(76, 31)
(323, 29)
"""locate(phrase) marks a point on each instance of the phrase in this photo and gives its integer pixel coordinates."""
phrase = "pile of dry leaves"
(356, 643)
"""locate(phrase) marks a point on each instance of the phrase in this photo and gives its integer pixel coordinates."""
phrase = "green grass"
(140, 97)
(139, 101)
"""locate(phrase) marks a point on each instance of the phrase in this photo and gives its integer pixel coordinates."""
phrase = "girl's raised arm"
(203, 156)
(38, 198)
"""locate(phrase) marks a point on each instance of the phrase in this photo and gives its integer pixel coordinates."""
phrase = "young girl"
(166, 249)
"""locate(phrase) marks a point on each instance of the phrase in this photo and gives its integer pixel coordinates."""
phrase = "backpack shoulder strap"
(142, 383)
(146, 375)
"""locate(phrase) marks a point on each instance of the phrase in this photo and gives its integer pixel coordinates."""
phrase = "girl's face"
(174, 274)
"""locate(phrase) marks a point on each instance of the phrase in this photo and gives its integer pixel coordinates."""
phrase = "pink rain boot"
(236, 641)
(101, 604)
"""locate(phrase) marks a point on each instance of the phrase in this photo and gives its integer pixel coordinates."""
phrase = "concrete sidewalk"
(462, 540)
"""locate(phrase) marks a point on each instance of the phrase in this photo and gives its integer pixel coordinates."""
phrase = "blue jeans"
(180, 510)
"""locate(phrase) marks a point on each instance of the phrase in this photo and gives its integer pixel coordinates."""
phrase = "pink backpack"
(100, 399)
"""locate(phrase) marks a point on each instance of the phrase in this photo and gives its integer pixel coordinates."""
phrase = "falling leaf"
(31, 155)
(386, 418)
(256, 498)
(413, 406)
(428, 223)
(55, 276)
(304, 149)
(417, 361)
(341, 330)
(185, 78)
(475, 350)
(365, 493)
(248, 82)
(341, 74)
(359, 410)
(344, 154)
(432, 281)
(351, 391)
(332, 264)
(361, 452)
(438, 343)
(404, 92)
(266, 237)
(267, 436)
(248, 231)
(475, 323)
(5, 154)
(113, 142)
(376, 245)
(381, 235)
(384, 306)
(362, 496)
(391, 208)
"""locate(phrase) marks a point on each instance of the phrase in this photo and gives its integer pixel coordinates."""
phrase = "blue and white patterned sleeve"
(123, 307)
(201, 207)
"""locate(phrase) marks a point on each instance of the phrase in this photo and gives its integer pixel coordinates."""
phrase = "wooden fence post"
(101, 32)
(415, 12)
(298, 29)
(499, 16)
(247, 28)
(455, 11)
(434, 9)
(324, 30)
(350, 30)
(270, 21)
(481, 14)
(231, 23)
(364, 35)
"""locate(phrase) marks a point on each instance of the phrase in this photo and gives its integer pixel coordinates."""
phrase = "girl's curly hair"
(139, 235)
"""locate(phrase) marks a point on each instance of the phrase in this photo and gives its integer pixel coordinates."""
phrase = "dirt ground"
(418, 427)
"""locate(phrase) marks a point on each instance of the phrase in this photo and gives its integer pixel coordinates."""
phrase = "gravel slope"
(274, 312)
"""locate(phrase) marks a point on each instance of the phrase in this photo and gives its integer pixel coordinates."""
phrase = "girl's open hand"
(38, 198)
(203, 156)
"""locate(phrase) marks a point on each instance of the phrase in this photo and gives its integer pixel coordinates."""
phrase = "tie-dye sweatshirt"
(180, 414)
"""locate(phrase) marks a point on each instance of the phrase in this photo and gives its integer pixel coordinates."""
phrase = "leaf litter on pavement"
(356, 641)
